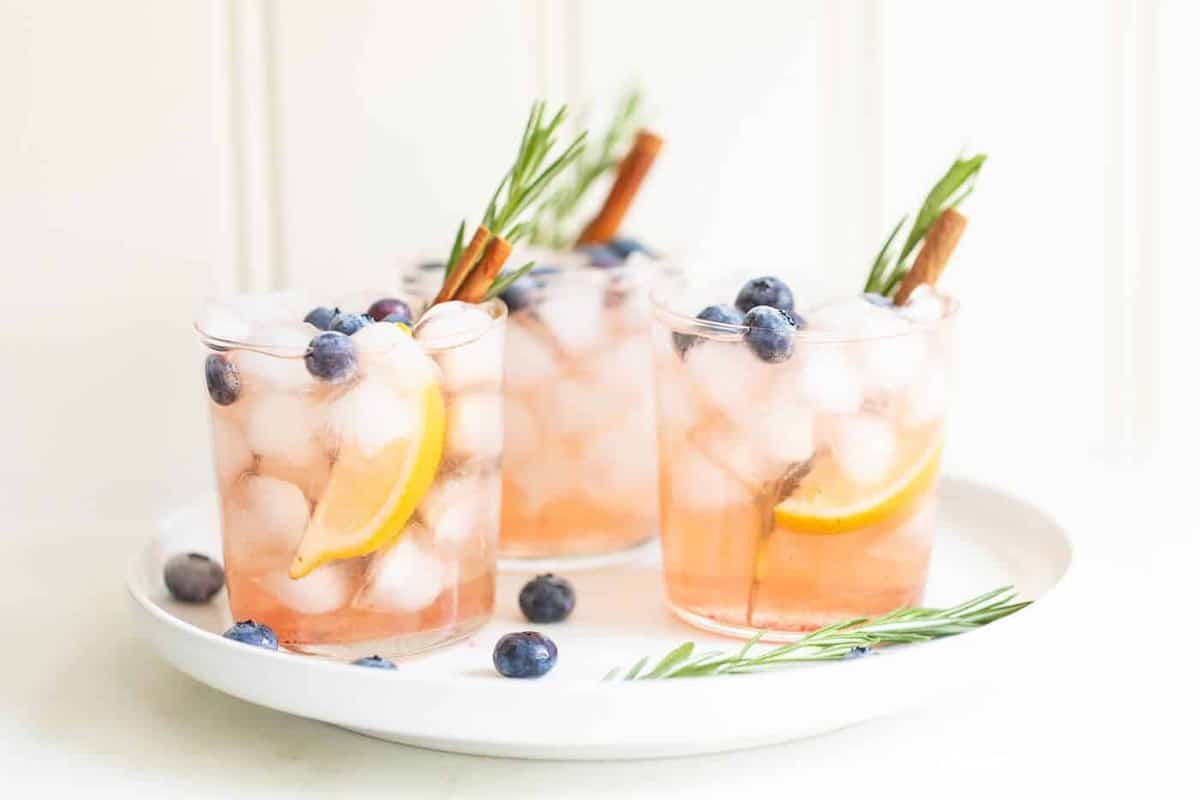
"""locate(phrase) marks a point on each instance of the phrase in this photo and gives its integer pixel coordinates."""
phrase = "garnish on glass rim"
(847, 639)
(633, 170)
(472, 270)
(938, 226)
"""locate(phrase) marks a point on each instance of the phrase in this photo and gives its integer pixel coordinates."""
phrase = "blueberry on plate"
(528, 654)
(248, 631)
(192, 577)
(625, 246)
(876, 299)
(383, 310)
(321, 316)
(223, 379)
(349, 323)
(547, 598)
(716, 313)
(600, 255)
(331, 357)
(374, 662)
(770, 333)
(766, 291)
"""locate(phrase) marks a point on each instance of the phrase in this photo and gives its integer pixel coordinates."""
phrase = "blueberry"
(321, 316)
(383, 310)
(600, 255)
(223, 379)
(765, 292)
(547, 598)
(544, 270)
(858, 651)
(331, 357)
(718, 313)
(248, 631)
(625, 246)
(876, 299)
(349, 323)
(520, 293)
(399, 318)
(193, 578)
(524, 655)
(770, 334)
(374, 662)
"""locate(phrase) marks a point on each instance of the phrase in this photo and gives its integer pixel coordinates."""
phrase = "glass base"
(736, 631)
(393, 647)
(571, 562)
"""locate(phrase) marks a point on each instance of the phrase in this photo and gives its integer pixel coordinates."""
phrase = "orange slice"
(369, 499)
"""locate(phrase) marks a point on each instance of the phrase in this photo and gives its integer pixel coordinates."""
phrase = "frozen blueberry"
(193, 578)
(765, 291)
(349, 323)
(248, 631)
(876, 299)
(383, 310)
(321, 316)
(625, 246)
(524, 655)
(374, 662)
(717, 313)
(858, 652)
(600, 255)
(547, 598)
(331, 357)
(223, 379)
(770, 334)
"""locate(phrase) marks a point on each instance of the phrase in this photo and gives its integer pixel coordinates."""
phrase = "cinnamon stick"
(466, 260)
(940, 241)
(480, 280)
(630, 175)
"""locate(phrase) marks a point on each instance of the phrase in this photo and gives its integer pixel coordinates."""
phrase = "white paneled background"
(151, 153)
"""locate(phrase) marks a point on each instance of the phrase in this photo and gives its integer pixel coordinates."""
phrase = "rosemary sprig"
(847, 639)
(953, 187)
(550, 227)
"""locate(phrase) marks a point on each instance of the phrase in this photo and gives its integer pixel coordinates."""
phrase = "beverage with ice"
(357, 463)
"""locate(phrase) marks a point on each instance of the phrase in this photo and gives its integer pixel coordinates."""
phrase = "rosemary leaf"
(507, 279)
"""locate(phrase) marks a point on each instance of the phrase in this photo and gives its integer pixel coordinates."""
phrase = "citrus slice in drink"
(828, 502)
(369, 498)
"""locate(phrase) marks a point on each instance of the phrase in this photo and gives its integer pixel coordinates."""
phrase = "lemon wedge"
(829, 503)
(369, 499)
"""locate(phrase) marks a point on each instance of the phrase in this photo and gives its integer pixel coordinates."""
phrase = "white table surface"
(1109, 704)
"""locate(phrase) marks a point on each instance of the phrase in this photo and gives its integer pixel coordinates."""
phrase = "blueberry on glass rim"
(625, 246)
(600, 255)
(715, 313)
(223, 379)
(520, 293)
(527, 654)
(765, 291)
(321, 316)
(331, 357)
(769, 333)
(876, 299)
(374, 662)
(547, 598)
(349, 323)
(249, 632)
(192, 577)
(390, 309)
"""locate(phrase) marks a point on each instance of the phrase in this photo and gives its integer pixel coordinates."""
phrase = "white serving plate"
(453, 700)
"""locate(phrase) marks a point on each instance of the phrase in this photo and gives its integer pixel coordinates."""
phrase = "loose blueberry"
(374, 662)
(383, 310)
(321, 316)
(331, 357)
(193, 578)
(547, 598)
(600, 256)
(349, 323)
(765, 291)
(625, 246)
(223, 379)
(858, 652)
(255, 633)
(876, 299)
(524, 655)
(520, 293)
(770, 334)
(718, 313)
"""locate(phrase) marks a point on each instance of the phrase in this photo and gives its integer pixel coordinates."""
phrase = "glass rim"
(693, 325)
(639, 271)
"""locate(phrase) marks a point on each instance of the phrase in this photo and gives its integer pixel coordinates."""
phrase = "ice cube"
(520, 431)
(369, 416)
(475, 425)
(697, 481)
(863, 447)
(456, 509)
(677, 406)
(618, 461)
(326, 589)
(927, 398)
(737, 452)
(231, 455)
(622, 367)
(574, 405)
(221, 321)
(529, 357)
(725, 374)
(282, 367)
(893, 363)
(854, 318)
(283, 427)
(475, 365)
(924, 306)
(407, 576)
(784, 431)
(574, 318)
(388, 353)
(827, 379)
(451, 324)
(269, 514)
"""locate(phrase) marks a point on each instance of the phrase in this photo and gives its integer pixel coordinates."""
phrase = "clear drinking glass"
(579, 471)
(800, 493)
(392, 473)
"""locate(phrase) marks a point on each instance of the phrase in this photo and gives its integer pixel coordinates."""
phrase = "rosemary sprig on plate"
(959, 181)
(847, 639)
(550, 227)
